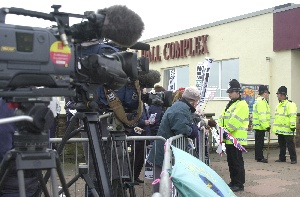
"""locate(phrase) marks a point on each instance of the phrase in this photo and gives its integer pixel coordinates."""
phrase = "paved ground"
(270, 179)
(262, 179)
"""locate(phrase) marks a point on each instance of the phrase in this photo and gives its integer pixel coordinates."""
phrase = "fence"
(76, 182)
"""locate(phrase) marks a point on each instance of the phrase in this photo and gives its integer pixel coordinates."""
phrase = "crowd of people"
(179, 119)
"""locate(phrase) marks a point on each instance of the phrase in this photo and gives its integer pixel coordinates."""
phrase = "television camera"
(39, 63)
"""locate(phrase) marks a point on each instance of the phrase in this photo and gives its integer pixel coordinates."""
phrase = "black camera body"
(50, 57)
(32, 56)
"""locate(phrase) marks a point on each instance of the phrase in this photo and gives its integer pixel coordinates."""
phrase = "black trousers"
(138, 158)
(259, 144)
(287, 141)
(236, 165)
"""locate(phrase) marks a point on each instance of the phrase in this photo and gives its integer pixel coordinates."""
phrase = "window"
(221, 73)
(176, 77)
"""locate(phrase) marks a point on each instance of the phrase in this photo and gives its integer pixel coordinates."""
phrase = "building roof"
(275, 9)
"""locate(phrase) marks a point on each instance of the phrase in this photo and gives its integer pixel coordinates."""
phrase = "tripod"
(30, 148)
(113, 129)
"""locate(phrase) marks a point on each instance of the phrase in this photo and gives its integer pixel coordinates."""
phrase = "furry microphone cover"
(121, 25)
(149, 79)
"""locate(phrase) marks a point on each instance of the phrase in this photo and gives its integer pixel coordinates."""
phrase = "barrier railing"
(166, 189)
(71, 169)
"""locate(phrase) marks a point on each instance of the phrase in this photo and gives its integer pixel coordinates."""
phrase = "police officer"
(235, 119)
(261, 121)
(285, 125)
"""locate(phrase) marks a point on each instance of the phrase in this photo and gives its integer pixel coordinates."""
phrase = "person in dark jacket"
(176, 120)
(138, 154)
(157, 109)
(10, 186)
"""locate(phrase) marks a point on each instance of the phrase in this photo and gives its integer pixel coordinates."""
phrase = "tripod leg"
(54, 182)
(61, 176)
(43, 184)
(5, 168)
(131, 189)
(91, 125)
(90, 184)
(21, 182)
(121, 137)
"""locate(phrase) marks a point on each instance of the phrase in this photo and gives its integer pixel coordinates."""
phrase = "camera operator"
(156, 108)
(10, 186)
(138, 154)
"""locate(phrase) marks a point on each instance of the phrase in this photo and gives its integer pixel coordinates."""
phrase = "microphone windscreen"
(121, 25)
(149, 79)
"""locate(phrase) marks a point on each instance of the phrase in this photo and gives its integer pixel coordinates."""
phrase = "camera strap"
(116, 105)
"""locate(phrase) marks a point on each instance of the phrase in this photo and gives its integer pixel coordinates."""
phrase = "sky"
(160, 17)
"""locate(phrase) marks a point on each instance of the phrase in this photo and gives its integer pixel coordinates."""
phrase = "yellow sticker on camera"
(60, 54)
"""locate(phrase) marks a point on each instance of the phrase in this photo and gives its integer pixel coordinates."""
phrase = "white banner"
(172, 80)
(203, 71)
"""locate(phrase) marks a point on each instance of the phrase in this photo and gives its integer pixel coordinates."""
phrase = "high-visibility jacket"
(285, 118)
(236, 120)
(261, 115)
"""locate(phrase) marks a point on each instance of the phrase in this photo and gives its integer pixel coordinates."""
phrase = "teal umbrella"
(193, 178)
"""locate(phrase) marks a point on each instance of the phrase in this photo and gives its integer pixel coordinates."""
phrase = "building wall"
(295, 78)
(250, 40)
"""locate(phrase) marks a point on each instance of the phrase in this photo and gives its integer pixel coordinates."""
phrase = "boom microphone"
(121, 25)
(149, 79)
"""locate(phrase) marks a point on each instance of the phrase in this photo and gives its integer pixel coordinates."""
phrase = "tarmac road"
(270, 179)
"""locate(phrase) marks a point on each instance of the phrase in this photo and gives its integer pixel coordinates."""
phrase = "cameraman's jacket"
(235, 119)
(176, 120)
(261, 114)
(285, 118)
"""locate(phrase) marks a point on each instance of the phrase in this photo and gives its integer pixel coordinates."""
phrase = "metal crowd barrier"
(166, 189)
(71, 169)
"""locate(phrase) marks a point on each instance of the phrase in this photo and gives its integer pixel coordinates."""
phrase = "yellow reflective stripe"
(243, 128)
(284, 132)
(241, 139)
(261, 113)
(238, 118)
(280, 125)
(231, 126)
